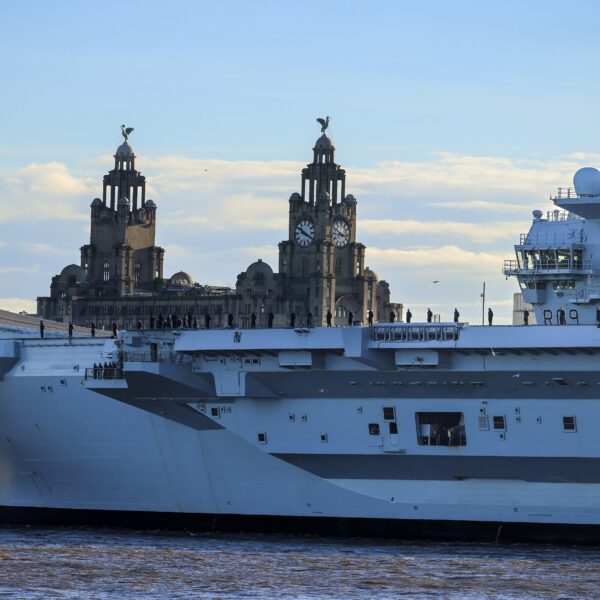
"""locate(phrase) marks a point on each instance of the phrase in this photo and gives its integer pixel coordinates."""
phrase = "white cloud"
(475, 232)
(18, 304)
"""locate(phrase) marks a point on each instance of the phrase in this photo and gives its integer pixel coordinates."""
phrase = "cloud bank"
(452, 218)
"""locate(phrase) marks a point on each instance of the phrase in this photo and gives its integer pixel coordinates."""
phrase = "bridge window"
(569, 424)
(499, 423)
(441, 429)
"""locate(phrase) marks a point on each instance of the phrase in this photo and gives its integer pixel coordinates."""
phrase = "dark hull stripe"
(190, 523)
(447, 468)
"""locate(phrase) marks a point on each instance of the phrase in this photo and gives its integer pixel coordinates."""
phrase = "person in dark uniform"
(139, 325)
(328, 317)
(408, 316)
(253, 321)
(42, 328)
(93, 329)
(309, 319)
(70, 330)
(292, 320)
(206, 321)
(429, 315)
(270, 320)
(114, 330)
(561, 316)
(456, 315)
(350, 318)
(490, 316)
(370, 318)
(230, 320)
(189, 324)
(392, 316)
(151, 321)
(525, 317)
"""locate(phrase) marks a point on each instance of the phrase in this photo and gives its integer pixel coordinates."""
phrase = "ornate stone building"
(321, 265)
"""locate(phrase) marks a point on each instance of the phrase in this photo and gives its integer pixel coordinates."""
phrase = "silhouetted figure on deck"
(42, 329)
(370, 318)
(160, 321)
(328, 317)
(350, 318)
(270, 320)
(490, 316)
(114, 330)
(206, 321)
(408, 316)
(309, 319)
(392, 316)
(429, 315)
(253, 321)
(151, 321)
(456, 315)
(230, 320)
(189, 319)
(292, 320)
(525, 317)
(70, 330)
(139, 325)
(93, 329)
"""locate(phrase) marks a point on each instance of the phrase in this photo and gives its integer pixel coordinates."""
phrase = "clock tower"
(321, 265)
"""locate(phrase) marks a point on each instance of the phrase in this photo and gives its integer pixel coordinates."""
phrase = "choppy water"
(89, 563)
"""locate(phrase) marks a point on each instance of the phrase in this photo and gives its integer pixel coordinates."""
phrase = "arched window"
(106, 272)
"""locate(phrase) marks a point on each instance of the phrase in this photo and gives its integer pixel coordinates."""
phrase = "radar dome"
(587, 182)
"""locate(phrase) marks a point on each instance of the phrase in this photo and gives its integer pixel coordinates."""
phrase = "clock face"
(340, 233)
(304, 233)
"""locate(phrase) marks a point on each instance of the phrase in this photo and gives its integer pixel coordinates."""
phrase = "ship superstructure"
(426, 426)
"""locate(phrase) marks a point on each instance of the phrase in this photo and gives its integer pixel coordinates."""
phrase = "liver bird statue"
(324, 123)
(126, 131)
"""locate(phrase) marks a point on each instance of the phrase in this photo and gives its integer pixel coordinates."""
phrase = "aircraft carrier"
(434, 429)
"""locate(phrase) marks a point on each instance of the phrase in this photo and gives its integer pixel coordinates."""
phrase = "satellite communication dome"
(537, 214)
(587, 182)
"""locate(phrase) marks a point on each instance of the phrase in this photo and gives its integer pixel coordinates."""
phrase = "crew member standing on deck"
(408, 316)
(70, 330)
(114, 330)
(93, 329)
(490, 316)
(370, 318)
(525, 317)
(42, 328)
(253, 321)
(392, 316)
(350, 318)
(292, 320)
(429, 315)
(328, 317)
(456, 315)
(309, 319)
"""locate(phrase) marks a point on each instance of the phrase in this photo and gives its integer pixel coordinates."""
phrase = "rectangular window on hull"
(499, 423)
(569, 424)
(441, 429)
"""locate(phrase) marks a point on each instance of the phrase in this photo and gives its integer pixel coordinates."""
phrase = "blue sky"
(452, 119)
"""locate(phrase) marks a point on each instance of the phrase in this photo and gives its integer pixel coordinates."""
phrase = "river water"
(100, 563)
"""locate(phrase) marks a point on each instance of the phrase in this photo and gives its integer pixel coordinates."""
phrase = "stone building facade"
(321, 265)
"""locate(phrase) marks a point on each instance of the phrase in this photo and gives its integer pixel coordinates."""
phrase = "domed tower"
(121, 256)
(321, 264)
